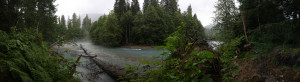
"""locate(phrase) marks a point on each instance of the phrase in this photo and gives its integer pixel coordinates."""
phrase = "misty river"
(89, 71)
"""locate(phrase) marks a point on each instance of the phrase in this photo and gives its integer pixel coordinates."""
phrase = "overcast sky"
(203, 8)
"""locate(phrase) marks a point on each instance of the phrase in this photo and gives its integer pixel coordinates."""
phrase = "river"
(90, 72)
(113, 56)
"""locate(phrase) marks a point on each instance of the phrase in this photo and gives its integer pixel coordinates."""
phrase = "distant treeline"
(128, 24)
(74, 29)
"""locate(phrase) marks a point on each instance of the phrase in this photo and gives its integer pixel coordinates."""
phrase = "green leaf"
(194, 64)
(160, 47)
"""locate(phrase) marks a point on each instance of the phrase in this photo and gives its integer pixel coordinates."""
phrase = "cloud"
(203, 8)
(68, 7)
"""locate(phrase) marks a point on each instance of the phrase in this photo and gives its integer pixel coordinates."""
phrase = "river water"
(214, 44)
(119, 56)
(89, 72)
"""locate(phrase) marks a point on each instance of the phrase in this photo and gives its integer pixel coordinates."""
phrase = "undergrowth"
(181, 63)
(25, 57)
(229, 52)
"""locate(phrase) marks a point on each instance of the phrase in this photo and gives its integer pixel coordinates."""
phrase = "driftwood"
(89, 56)
(112, 71)
(74, 65)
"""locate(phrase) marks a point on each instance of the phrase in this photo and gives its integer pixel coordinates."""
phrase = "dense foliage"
(249, 34)
(25, 57)
(36, 14)
(268, 24)
(261, 40)
(183, 62)
(107, 30)
(149, 27)
(27, 29)
(74, 31)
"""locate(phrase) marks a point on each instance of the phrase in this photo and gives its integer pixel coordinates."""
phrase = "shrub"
(22, 59)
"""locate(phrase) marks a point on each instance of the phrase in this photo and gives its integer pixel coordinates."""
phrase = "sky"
(203, 8)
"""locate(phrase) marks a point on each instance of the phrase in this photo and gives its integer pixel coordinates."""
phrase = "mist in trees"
(147, 27)
(86, 25)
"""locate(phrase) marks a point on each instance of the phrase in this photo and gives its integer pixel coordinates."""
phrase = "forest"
(128, 25)
(259, 41)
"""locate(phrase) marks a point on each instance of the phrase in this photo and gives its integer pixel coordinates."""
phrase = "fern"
(22, 59)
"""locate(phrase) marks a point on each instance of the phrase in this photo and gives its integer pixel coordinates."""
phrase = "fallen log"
(89, 56)
(112, 71)
(74, 65)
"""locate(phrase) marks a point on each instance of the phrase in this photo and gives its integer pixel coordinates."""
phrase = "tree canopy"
(153, 25)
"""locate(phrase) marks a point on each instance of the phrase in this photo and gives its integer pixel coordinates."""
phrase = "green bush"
(268, 36)
(183, 64)
(22, 59)
(228, 54)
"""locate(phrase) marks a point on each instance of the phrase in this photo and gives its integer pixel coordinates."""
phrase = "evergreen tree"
(120, 7)
(148, 3)
(74, 21)
(35, 14)
(126, 23)
(74, 31)
(228, 20)
(79, 22)
(153, 26)
(86, 25)
(97, 28)
(145, 5)
(26, 29)
(69, 23)
(279, 17)
(137, 29)
(261, 12)
(170, 6)
(135, 6)
(193, 28)
(9, 14)
(108, 32)
(58, 20)
(189, 10)
(63, 21)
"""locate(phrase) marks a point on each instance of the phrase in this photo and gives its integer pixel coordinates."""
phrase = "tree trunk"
(245, 29)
